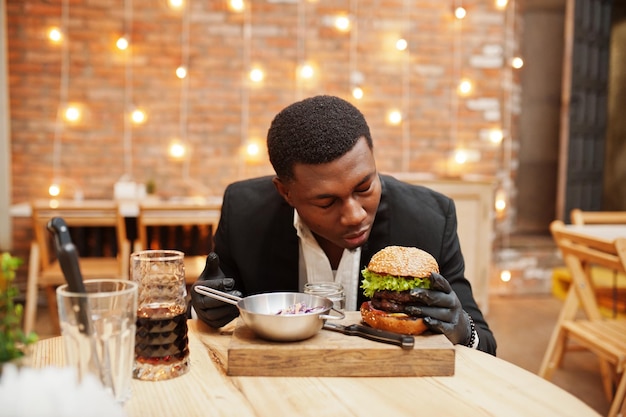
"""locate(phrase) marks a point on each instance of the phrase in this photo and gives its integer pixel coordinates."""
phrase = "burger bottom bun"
(382, 320)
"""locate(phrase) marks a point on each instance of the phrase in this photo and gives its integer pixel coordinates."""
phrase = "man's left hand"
(441, 310)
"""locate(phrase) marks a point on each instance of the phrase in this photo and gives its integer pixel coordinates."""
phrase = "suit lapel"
(281, 253)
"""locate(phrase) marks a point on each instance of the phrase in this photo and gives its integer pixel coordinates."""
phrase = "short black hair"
(314, 131)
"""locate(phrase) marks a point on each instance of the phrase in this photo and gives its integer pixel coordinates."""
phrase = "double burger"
(388, 279)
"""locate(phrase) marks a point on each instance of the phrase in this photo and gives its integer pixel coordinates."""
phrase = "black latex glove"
(213, 312)
(441, 310)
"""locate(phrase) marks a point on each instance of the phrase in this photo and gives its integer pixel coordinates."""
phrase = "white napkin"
(53, 392)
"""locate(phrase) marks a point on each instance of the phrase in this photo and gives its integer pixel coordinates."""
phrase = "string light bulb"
(460, 157)
(342, 23)
(465, 87)
(54, 190)
(72, 113)
(496, 136)
(394, 117)
(138, 116)
(181, 72)
(505, 275)
(55, 35)
(237, 5)
(460, 13)
(401, 44)
(517, 62)
(122, 43)
(357, 93)
(252, 151)
(306, 71)
(177, 150)
(256, 75)
(501, 4)
(176, 4)
(500, 203)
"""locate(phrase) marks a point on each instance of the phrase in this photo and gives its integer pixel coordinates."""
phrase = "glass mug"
(161, 342)
(332, 290)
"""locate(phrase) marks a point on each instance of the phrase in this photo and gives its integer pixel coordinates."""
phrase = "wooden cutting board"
(329, 353)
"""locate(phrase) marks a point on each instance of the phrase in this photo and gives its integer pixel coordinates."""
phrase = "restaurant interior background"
(185, 106)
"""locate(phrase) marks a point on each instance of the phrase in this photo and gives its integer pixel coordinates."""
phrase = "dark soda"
(161, 336)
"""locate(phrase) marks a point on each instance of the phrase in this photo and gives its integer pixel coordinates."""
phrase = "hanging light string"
(64, 82)
(184, 89)
(508, 89)
(128, 90)
(456, 71)
(406, 95)
(245, 93)
(354, 35)
(301, 41)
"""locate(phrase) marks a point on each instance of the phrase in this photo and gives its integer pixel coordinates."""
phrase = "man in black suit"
(324, 215)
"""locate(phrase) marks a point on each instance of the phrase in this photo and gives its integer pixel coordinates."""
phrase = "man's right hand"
(213, 312)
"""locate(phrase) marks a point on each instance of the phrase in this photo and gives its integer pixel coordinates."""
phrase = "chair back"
(581, 217)
(84, 214)
(580, 254)
(175, 214)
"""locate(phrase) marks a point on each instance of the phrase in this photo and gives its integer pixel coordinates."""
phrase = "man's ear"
(282, 188)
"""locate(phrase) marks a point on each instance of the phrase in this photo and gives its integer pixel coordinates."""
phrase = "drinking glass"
(162, 345)
(332, 290)
(98, 329)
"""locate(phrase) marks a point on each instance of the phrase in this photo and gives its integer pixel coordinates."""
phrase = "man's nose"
(353, 213)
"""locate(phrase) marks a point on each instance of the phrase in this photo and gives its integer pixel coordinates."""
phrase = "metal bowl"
(260, 313)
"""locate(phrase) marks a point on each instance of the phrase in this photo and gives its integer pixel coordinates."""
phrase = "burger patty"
(392, 301)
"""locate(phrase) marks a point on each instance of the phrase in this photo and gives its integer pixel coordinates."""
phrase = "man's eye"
(328, 204)
(364, 189)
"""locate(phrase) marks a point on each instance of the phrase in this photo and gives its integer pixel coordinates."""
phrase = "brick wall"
(420, 81)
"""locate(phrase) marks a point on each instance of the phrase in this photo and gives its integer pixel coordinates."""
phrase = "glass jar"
(332, 290)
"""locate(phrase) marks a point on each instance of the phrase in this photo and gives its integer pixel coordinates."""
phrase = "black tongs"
(403, 340)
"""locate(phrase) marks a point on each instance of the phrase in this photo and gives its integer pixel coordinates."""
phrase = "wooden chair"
(609, 286)
(606, 337)
(581, 217)
(187, 215)
(45, 272)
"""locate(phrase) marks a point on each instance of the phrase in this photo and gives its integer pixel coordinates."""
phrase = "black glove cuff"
(472, 338)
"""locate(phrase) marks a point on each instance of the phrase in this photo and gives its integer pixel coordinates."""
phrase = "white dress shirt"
(314, 265)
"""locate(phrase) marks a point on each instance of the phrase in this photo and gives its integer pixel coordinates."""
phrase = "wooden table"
(128, 207)
(482, 386)
(605, 233)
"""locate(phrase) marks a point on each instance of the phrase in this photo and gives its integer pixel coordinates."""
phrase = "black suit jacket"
(258, 246)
